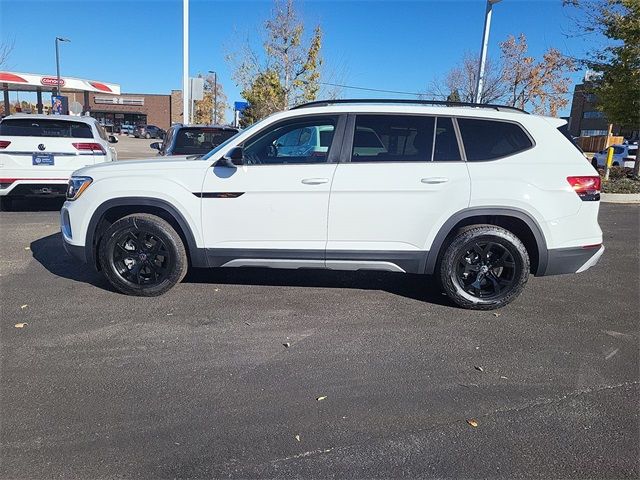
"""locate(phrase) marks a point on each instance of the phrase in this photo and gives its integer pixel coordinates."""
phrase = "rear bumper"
(35, 187)
(572, 260)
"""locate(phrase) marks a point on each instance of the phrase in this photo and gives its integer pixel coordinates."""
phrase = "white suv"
(478, 195)
(38, 153)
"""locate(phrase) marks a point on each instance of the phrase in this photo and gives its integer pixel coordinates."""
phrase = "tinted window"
(38, 127)
(190, 141)
(488, 139)
(392, 138)
(303, 140)
(446, 144)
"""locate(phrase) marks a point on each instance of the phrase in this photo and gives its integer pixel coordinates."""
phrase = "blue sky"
(393, 45)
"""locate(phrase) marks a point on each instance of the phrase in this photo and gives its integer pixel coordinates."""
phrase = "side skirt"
(391, 261)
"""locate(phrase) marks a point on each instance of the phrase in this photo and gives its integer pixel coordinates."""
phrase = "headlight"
(77, 185)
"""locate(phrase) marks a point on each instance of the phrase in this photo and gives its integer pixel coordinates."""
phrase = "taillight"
(94, 148)
(587, 188)
(4, 143)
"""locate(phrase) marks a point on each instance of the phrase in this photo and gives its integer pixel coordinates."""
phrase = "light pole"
(186, 94)
(59, 39)
(483, 51)
(215, 97)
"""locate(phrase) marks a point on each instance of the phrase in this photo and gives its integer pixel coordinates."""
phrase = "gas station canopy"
(33, 82)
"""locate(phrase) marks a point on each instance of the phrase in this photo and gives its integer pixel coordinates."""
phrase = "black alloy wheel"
(140, 257)
(142, 254)
(484, 267)
(486, 270)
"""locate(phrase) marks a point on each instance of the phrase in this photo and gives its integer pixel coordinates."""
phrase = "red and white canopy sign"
(31, 82)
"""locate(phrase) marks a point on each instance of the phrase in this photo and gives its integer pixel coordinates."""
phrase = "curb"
(632, 198)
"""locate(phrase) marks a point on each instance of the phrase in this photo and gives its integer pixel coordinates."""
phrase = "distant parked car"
(620, 154)
(148, 131)
(193, 139)
(126, 129)
(38, 153)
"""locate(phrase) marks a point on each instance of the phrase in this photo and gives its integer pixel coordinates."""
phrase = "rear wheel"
(484, 267)
(142, 255)
(147, 136)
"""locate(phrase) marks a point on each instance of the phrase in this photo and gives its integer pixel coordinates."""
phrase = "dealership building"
(102, 100)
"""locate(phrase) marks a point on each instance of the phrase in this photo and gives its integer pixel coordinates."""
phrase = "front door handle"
(315, 181)
(434, 180)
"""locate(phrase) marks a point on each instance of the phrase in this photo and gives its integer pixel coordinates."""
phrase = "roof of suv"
(40, 116)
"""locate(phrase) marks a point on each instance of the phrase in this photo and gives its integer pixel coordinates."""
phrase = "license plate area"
(38, 159)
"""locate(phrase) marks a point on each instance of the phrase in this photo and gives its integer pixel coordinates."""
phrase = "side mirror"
(156, 145)
(113, 139)
(232, 158)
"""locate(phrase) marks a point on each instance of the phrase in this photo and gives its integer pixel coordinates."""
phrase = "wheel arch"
(515, 220)
(116, 208)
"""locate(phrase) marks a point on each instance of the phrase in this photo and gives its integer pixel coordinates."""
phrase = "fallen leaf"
(286, 345)
(216, 289)
(247, 323)
(169, 314)
(496, 314)
(298, 437)
(473, 422)
(21, 325)
(24, 306)
(503, 377)
(480, 369)
(319, 399)
(27, 248)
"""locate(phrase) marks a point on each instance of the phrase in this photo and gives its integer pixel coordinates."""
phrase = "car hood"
(142, 166)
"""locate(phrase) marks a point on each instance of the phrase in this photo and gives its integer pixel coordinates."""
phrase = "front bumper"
(572, 260)
(76, 251)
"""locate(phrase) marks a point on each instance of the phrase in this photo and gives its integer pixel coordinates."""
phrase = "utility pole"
(483, 49)
(59, 39)
(186, 94)
(215, 97)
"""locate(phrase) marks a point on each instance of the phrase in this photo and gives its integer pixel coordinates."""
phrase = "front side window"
(491, 139)
(393, 138)
(298, 141)
(446, 143)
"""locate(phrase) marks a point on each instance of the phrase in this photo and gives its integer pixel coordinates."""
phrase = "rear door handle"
(315, 181)
(434, 180)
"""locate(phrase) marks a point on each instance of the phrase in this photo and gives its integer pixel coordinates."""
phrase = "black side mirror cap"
(156, 145)
(232, 158)
(113, 139)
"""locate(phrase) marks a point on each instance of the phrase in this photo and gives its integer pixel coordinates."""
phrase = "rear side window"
(38, 127)
(489, 139)
(393, 138)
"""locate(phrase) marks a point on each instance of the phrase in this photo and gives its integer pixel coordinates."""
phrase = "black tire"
(484, 267)
(6, 204)
(142, 255)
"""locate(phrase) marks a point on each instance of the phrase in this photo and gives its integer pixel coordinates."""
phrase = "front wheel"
(142, 255)
(147, 136)
(484, 267)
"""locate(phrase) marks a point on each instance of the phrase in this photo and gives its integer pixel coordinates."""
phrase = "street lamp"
(483, 51)
(59, 39)
(215, 97)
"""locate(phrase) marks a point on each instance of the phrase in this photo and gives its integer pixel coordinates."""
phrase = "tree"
(463, 78)
(454, 96)
(617, 87)
(542, 84)
(287, 72)
(6, 48)
(203, 109)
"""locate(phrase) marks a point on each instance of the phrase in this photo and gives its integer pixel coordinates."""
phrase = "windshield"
(224, 144)
(200, 140)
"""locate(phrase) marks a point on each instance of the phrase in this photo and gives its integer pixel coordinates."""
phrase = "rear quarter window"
(25, 127)
(491, 139)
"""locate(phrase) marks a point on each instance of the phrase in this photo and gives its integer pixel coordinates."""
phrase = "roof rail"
(446, 103)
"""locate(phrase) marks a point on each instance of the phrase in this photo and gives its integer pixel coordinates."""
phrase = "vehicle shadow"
(50, 253)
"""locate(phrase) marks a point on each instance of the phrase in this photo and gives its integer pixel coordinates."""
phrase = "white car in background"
(38, 153)
(620, 153)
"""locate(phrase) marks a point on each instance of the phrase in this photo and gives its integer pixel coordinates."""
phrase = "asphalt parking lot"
(129, 147)
(199, 384)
